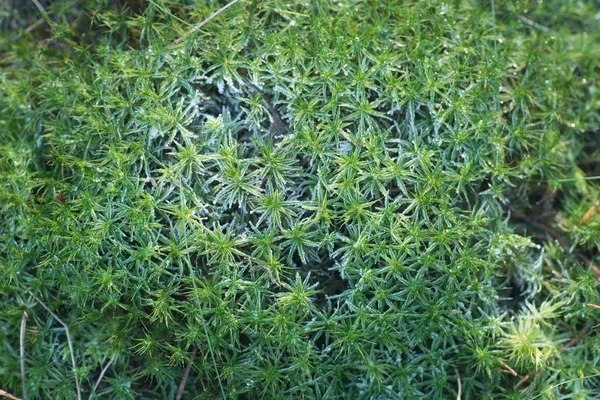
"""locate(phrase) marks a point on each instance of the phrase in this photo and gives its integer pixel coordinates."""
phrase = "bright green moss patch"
(353, 199)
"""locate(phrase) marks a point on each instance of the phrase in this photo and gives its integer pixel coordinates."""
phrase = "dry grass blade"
(69, 342)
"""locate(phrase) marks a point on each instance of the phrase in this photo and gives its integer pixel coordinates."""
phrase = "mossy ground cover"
(300, 199)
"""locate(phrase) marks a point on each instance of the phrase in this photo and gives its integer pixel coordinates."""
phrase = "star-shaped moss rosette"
(299, 199)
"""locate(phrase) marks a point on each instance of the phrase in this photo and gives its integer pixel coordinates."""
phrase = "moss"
(362, 199)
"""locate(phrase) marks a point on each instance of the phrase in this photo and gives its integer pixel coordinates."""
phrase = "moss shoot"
(362, 199)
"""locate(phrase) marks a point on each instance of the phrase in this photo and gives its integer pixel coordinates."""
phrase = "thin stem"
(210, 347)
(523, 380)
(579, 336)
(100, 379)
(201, 24)
(494, 28)
(69, 342)
(39, 6)
(35, 25)
(585, 178)
(534, 24)
(42, 10)
(459, 395)
(166, 11)
(22, 352)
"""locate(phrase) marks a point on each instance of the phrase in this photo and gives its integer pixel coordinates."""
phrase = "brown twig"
(540, 225)
(201, 24)
(8, 395)
(534, 384)
(69, 342)
(597, 307)
(580, 335)
(547, 197)
(508, 369)
(504, 370)
(22, 352)
(523, 380)
(186, 374)
(595, 270)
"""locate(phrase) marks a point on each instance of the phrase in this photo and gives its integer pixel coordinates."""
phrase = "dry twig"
(8, 395)
(580, 335)
(547, 197)
(186, 374)
(508, 369)
(523, 380)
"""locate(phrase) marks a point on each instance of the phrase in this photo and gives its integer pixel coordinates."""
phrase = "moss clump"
(357, 199)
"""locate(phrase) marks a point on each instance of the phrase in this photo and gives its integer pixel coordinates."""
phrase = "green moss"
(315, 199)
